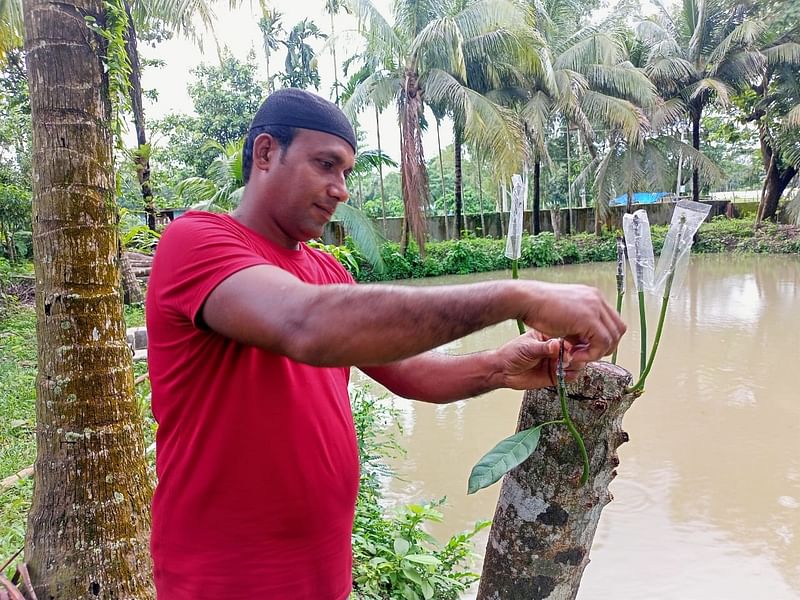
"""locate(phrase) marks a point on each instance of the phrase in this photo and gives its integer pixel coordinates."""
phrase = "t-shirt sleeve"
(193, 257)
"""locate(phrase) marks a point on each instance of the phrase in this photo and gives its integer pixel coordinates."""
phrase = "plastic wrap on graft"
(686, 220)
(640, 249)
(519, 194)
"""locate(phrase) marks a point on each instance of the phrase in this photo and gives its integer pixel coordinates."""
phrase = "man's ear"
(266, 151)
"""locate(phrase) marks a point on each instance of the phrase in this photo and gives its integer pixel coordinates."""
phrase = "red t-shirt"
(256, 454)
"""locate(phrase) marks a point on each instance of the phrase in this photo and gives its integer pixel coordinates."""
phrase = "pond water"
(707, 500)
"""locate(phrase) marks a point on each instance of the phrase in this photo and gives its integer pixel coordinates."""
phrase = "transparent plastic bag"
(519, 195)
(640, 249)
(686, 220)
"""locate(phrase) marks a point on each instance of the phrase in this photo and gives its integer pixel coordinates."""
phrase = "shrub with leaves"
(394, 557)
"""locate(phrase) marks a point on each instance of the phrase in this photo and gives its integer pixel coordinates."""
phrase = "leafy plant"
(394, 557)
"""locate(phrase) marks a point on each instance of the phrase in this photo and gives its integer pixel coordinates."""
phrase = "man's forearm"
(378, 324)
(440, 378)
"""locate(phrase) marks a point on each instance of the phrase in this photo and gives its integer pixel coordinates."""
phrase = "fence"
(575, 220)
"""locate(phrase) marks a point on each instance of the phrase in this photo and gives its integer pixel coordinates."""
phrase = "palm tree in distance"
(271, 28)
(418, 54)
(587, 85)
(701, 56)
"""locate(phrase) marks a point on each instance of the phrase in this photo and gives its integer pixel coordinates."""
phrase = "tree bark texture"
(413, 171)
(544, 523)
(696, 113)
(777, 177)
(459, 198)
(89, 522)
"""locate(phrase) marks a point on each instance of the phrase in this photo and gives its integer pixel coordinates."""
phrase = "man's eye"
(326, 164)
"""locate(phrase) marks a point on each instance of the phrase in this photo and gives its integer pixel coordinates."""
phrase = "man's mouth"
(327, 210)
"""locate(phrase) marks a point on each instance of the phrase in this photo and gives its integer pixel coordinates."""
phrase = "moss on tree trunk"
(544, 522)
(89, 523)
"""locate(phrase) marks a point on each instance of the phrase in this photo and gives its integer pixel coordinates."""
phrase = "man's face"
(304, 184)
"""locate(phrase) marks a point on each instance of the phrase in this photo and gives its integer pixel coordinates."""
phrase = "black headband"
(297, 108)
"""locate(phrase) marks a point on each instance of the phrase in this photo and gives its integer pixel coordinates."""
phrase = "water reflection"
(707, 502)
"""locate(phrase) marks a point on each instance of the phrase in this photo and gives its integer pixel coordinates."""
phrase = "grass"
(17, 400)
(18, 415)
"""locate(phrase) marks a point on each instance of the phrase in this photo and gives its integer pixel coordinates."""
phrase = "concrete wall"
(497, 223)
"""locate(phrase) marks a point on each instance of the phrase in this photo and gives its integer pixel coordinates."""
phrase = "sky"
(238, 31)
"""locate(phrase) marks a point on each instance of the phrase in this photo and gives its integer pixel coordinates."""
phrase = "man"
(251, 337)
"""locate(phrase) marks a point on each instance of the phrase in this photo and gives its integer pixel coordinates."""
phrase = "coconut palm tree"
(587, 84)
(333, 7)
(700, 56)
(271, 28)
(422, 54)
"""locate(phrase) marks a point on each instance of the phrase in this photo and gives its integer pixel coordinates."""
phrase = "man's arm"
(524, 363)
(343, 325)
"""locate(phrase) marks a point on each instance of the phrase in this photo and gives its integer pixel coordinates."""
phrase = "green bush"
(394, 558)
(475, 255)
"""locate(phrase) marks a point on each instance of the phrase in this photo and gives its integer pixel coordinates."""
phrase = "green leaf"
(427, 590)
(401, 547)
(412, 575)
(502, 458)
(423, 559)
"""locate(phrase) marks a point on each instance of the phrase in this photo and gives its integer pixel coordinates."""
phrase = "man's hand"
(529, 362)
(580, 315)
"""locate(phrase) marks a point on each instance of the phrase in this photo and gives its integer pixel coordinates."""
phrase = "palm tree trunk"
(569, 187)
(776, 179)
(441, 178)
(413, 171)
(142, 156)
(544, 523)
(480, 197)
(696, 113)
(335, 66)
(380, 169)
(537, 199)
(88, 526)
(457, 131)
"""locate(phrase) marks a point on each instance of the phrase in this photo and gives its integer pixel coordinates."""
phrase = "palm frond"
(618, 113)
(624, 82)
(486, 125)
(483, 16)
(375, 26)
(709, 84)
(744, 36)
(670, 72)
(380, 89)
(368, 160)
(792, 118)
(439, 45)
(708, 169)
(668, 113)
(652, 32)
(783, 54)
(366, 238)
(535, 113)
(11, 27)
(597, 49)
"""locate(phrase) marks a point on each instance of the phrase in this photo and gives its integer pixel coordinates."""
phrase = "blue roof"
(638, 198)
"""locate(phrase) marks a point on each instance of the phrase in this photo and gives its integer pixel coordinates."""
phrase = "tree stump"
(544, 522)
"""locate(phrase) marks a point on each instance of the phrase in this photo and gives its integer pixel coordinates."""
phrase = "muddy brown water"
(707, 500)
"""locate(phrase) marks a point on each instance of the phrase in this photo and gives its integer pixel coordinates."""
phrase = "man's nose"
(338, 189)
